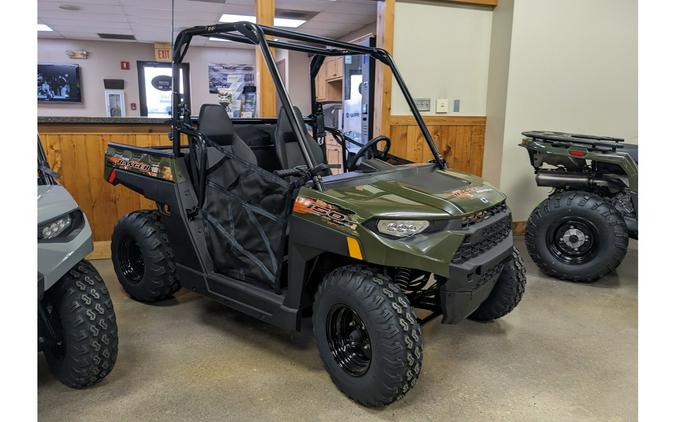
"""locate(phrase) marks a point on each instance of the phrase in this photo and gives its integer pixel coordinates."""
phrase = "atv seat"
(216, 125)
(288, 146)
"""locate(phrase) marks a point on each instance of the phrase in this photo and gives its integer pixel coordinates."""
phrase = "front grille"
(489, 237)
(479, 216)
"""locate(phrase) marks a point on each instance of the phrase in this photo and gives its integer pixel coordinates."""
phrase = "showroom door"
(154, 84)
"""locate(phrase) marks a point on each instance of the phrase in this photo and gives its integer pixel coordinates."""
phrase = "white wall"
(572, 67)
(104, 63)
(442, 51)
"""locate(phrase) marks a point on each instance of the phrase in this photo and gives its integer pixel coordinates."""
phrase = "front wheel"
(507, 292)
(80, 313)
(368, 335)
(576, 236)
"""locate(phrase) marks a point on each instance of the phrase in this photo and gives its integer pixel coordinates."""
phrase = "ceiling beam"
(266, 104)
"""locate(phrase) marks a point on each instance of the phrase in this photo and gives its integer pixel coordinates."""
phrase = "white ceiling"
(150, 20)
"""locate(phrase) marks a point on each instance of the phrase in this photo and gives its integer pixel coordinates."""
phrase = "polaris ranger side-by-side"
(249, 214)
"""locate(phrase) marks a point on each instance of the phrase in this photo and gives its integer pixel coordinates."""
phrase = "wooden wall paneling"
(460, 140)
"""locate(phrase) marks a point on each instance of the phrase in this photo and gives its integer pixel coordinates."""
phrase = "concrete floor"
(568, 352)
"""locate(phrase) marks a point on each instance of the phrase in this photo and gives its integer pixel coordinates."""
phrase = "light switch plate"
(423, 104)
(442, 105)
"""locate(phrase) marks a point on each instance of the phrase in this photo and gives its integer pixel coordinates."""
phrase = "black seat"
(217, 126)
(288, 147)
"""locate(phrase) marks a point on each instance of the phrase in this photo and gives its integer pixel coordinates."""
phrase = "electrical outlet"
(423, 104)
(442, 105)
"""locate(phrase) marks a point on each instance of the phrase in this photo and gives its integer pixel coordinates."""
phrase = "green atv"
(581, 231)
(249, 214)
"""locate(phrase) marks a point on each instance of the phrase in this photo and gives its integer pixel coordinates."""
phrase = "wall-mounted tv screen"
(59, 83)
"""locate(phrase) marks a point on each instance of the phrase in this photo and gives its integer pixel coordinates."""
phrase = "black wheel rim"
(573, 241)
(131, 260)
(348, 340)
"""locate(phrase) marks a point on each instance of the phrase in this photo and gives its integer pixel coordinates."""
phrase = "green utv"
(249, 214)
(580, 232)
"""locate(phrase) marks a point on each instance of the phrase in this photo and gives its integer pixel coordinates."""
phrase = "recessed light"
(284, 22)
(43, 27)
(69, 7)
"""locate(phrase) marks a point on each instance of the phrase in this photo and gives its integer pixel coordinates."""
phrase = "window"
(154, 83)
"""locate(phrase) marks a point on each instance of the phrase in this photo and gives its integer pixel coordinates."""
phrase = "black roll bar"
(250, 33)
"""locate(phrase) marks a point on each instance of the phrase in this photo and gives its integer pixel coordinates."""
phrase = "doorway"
(154, 84)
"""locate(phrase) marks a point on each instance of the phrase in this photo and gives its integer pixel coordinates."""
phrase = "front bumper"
(471, 279)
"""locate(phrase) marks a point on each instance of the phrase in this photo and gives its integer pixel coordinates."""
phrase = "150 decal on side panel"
(330, 213)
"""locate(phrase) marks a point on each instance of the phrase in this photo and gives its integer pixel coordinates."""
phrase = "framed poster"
(114, 103)
(235, 86)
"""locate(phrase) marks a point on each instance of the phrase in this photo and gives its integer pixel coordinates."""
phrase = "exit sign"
(163, 52)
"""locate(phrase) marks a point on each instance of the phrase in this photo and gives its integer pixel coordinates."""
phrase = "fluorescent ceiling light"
(218, 39)
(284, 22)
(43, 27)
(288, 23)
(237, 18)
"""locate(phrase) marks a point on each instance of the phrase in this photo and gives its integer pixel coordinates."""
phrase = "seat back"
(217, 126)
(288, 146)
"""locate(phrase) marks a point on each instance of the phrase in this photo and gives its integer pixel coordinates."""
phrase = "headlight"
(402, 228)
(61, 226)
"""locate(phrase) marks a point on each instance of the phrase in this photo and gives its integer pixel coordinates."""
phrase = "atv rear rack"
(565, 140)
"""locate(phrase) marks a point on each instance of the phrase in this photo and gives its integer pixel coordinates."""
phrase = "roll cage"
(321, 47)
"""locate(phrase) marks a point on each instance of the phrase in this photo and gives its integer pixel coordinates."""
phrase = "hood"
(53, 201)
(416, 191)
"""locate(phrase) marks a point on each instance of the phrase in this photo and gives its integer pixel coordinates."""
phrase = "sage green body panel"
(430, 252)
(621, 159)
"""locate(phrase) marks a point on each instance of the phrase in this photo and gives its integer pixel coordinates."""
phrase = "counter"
(75, 147)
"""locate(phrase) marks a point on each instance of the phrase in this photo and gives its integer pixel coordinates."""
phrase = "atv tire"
(81, 313)
(506, 293)
(368, 335)
(142, 257)
(576, 236)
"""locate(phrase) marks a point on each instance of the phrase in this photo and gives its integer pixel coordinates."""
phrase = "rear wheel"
(83, 347)
(142, 257)
(576, 236)
(368, 335)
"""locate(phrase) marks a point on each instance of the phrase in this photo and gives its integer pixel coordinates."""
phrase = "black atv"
(581, 231)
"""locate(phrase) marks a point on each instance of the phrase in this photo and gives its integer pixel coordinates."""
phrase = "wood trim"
(383, 76)
(101, 250)
(267, 94)
(519, 228)
(63, 128)
(490, 3)
(404, 120)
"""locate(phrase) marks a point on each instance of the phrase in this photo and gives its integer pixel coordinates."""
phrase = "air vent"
(116, 37)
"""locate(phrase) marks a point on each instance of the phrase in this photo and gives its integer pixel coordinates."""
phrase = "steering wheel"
(369, 150)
